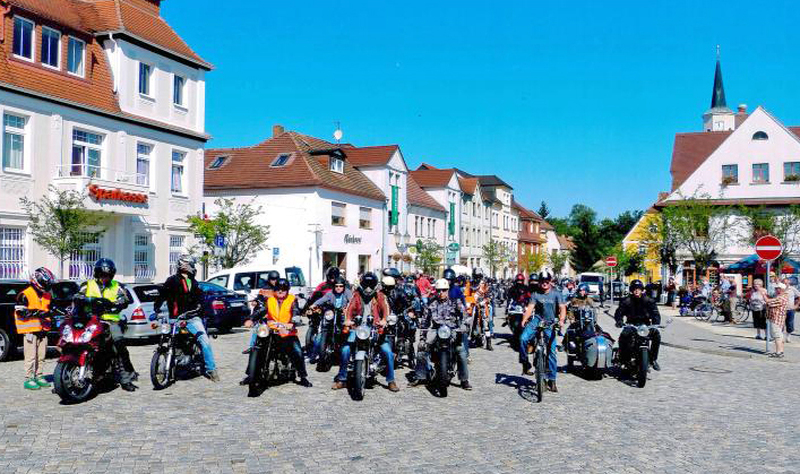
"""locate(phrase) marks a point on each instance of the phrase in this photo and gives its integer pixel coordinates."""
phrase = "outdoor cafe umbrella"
(753, 264)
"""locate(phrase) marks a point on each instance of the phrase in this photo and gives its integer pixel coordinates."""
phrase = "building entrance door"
(334, 259)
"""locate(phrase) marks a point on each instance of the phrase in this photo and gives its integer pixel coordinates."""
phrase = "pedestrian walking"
(758, 306)
(794, 300)
(671, 290)
(776, 316)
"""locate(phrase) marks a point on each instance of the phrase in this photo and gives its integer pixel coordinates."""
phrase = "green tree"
(661, 238)
(428, 256)
(60, 223)
(558, 260)
(582, 219)
(532, 262)
(544, 210)
(236, 223)
(628, 261)
(782, 223)
(495, 254)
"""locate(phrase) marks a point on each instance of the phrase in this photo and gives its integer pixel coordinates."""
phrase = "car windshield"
(211, 288)
(244, 281)
(591, 279)
(295, 276)
(147, 293)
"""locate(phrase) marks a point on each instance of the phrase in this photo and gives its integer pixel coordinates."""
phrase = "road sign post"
(768, 248)
(611, 262)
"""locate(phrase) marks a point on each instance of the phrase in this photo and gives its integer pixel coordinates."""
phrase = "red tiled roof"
(418, 197)
(565, 242)
(432, 178)
(690, 151)
(250, 168)
(787, 201)
(370, 155)
(468, 185)
(524, 212)
(546, 226)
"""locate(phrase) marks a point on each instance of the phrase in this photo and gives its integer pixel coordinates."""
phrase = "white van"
(248, 280)
(595, 282)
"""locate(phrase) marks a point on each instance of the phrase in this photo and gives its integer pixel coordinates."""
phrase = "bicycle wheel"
(741, 314)
(539, 363)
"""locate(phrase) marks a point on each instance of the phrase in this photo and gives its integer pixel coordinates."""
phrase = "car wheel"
(6, 346)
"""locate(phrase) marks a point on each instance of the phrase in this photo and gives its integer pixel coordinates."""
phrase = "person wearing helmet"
(282, 308)
(519, 293)
(338, 299)
(266, 289)
(637, 309)
(32, 320)
(580, 301)
(547, 304)
(441, 311)
(367, 300)
(103, 285)
(185, 298)
(533, 283)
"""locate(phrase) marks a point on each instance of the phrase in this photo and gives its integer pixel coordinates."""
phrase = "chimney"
(741, 114)
(277, 130)
(742, 109)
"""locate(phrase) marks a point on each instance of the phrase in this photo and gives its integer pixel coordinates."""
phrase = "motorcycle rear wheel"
(644, 365)
(63, 384)
(160, 374)
(359, 379)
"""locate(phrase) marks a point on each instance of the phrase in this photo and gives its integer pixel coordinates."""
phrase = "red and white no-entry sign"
(768, 247)
(611, 261)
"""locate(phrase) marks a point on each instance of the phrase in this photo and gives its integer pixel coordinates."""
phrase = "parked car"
(596, 282)
(225, 309)
(248, 280)
(10, 341)
(138, 313)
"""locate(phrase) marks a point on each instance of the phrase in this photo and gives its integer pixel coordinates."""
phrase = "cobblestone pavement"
(702, 413)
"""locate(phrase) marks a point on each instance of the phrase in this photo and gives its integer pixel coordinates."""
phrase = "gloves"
(153, 316)
(619, 324)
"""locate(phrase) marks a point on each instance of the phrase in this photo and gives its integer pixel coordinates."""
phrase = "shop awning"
(754, 265)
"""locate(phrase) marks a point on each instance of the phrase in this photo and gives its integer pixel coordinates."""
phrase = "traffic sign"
(611, 261)
(769, 247)
(276, 251)
(453, 247)
(219, 240)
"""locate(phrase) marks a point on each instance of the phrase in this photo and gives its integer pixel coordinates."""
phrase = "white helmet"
(442, 284)
(388, 281)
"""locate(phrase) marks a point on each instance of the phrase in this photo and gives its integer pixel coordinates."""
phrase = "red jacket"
(424, 286)
(380, 308)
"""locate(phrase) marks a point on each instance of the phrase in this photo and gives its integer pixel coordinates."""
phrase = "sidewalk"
(719, 338)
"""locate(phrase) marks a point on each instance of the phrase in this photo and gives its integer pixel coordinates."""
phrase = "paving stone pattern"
(702, 413)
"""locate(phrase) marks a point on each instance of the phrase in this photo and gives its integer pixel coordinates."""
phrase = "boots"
(551, 386)
(489, 344)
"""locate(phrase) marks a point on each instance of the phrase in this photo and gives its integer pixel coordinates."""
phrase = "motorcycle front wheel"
(256, 370)
(324, 360)
(67, 385)
(644, 365)
(160, 373)
(442, 373)
(359, 379)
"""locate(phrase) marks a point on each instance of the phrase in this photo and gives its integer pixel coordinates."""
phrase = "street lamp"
(402, 241)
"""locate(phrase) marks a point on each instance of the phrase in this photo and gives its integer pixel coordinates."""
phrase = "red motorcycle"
(87, 354)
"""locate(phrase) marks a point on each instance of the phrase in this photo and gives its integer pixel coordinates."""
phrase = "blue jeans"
(490, 319)
(789, 322)
(385, 349)
(195, 326)
(465, 342)
(527, 336)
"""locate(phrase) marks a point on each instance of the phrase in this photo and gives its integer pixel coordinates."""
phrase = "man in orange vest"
(32, 318)
(282, 308)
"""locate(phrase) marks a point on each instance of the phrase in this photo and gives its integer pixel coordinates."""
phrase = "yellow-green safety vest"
(110, 293)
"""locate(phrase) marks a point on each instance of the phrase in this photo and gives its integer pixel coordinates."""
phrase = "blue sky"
(571, 104)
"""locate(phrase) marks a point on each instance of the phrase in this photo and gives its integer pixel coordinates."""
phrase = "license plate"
(236, 305)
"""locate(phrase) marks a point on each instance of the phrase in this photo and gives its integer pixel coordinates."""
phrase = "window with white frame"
(14, 127)
(337, 165)
(76, 50)
(178, 89)
(465, 236)
(145, 77)
(791, 171)
(433, 225)
(143, 163)
(338, 213)
(87, 153)
(12, 252)
(142, 257)
(416, 226)
(82, 261)
(176, 249)
(364, 218)
(51, 47)
(23, 38)
(178, 172)
(761, 173)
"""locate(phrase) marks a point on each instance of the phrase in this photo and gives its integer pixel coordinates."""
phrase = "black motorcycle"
(514, 314)
(586, 343)
(443, 355)
(178, 353)
(403, 331)
(365, 360)
(330, 332)
(638, 366)
(269, 363)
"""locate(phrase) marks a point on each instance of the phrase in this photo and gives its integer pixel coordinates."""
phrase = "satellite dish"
(337, 135)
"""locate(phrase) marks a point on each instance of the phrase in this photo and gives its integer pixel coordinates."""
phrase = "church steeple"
(719, 117)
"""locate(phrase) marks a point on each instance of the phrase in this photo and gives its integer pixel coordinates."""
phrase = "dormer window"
(281, 160)
(51, 47)
(75, 52)
(145, 75)
(337, 165)
(759, 135)
(23, 38)
(218, 162)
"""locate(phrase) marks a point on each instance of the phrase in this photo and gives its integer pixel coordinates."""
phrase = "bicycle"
(742, 311)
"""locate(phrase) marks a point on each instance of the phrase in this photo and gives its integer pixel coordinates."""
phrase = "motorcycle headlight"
(443, 332)
(166, 328)
(263, 330)
(86, 336)
(643, 330)
(392, 319)
(363, 332)
(328, 315)
(66, 333)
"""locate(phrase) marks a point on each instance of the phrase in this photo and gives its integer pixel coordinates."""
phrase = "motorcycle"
(331, 342)
(178, 351)
(269, 365)
(514, 321)
(638, 365)
(586, 343)
(403, 331)
(443, 354)
(365, 360)
(480, 327)
(87, 353)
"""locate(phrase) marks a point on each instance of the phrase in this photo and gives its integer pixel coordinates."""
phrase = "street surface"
(703, 413)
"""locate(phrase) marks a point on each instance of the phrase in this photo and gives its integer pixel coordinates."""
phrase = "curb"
(723, 353)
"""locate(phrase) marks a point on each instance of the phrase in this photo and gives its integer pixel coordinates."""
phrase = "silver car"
(139, 325)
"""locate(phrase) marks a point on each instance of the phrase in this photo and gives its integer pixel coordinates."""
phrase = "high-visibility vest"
(35, 303)
(110, 293)
(282, 314)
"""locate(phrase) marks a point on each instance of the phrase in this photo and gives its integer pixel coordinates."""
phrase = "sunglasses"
(338, 286)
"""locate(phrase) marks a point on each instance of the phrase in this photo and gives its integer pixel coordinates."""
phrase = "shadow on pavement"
(525, 387)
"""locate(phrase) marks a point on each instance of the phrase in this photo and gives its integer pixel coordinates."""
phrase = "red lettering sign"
(101, 194)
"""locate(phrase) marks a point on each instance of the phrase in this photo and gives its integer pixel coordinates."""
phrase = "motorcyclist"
(519, 293)
(183, 296)
(326, 286)
(442, 311)
(579, 301)
(366, 300)
(266, 291)
(533, 283)
(547, 304)
(424, 287)
(637, 309)
(103, 285)
(32, 320)
(483, 296)
(338, 299)
(282, 308)
(456, 292)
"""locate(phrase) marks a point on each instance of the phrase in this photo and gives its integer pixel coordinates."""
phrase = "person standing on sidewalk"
(776, 316)
(32, 318)
(794, 299)
(758, 305)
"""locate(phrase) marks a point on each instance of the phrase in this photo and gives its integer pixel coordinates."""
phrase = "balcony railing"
(143, 272)
(106, 174)
(80, 271)
(13, 270)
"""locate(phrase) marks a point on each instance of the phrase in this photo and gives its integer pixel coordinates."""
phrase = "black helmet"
(42, 279)
(410, 280)
(340, 281)
(449, 275)
(583, 287)
(186, 264)
(545, 276)
(368, 283)
(332, 273)
(273, 275)
(282, 285)
(392, 272)
(462, 280)
(636, 284)
(533, 278)
(105, 267)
